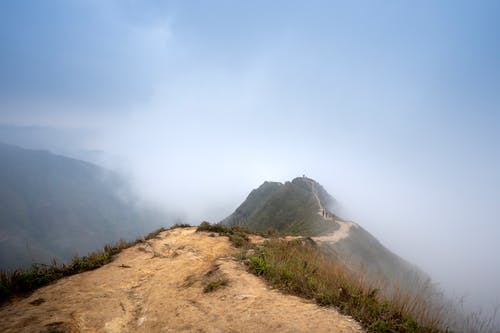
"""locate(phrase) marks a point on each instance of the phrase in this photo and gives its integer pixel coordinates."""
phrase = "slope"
(293, 208)
(55, 207)
(303, 207)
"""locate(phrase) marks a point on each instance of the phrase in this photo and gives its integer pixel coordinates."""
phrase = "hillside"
(304, 207)
(161, 285)
(52, 206)
(293, 208)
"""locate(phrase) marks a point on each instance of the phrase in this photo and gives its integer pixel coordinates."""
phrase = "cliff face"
(161, 286)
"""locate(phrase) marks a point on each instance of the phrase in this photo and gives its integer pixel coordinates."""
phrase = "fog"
(393, 109)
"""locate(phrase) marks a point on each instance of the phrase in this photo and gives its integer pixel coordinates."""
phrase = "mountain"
(303, 207)
(52, 206)
(294, 208)
(217, 278)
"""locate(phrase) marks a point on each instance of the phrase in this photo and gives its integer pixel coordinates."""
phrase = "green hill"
(293, 207)
(296, 208)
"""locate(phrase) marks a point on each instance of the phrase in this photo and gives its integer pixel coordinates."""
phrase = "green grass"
(300, 268)
(155, 233)
(238, 235)
(290, 208)
(20, 282)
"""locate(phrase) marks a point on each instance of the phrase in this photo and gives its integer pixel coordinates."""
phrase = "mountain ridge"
(290, 207)
(303, 207)
(54, 207)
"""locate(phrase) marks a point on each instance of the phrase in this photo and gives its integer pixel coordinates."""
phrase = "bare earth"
(341, 233)
(158, 287)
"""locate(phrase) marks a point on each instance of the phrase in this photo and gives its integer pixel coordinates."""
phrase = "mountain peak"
(303, 207)
(297, 207)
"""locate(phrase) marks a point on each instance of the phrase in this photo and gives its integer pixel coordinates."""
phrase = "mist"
(394, 109)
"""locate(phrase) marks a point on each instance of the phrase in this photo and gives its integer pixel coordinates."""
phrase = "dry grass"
(300, 268)
(479, 322)
(238, 235)
(23, 281)
(214, 279)
(215, 284)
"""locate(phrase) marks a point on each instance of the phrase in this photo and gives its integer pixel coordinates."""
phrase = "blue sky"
(393, 106)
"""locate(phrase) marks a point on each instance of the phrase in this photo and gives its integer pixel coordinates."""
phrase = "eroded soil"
(158, 286)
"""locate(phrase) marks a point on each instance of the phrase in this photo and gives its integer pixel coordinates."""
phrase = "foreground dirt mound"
(160, 286)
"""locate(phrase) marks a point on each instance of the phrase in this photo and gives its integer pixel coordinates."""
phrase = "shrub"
(180, 225)
(155, 233)
(238, 235)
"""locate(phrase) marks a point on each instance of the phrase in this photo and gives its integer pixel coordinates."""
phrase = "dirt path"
(321, 210)
(341, 233)
(345, 226)
(158, 287)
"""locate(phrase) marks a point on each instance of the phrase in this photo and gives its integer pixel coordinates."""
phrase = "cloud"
(83, 53)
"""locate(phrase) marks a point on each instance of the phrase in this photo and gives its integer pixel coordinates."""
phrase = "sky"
(394, 107)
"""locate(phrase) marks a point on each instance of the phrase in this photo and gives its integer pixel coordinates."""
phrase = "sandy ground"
(158, 287)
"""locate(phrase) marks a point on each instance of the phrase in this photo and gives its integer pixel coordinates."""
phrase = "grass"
(215, 284)
(300, 268)
(21, 282)
(290, 207)
(214, 279)
(238, 235)
(155, 233)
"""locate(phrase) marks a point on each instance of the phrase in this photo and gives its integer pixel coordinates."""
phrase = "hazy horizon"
(392, 107)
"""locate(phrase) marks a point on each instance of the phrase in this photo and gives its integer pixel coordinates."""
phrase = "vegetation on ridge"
(299, 267)
(296, 266)
(298, 207)
(238, 235)
(22, 281)
(292, 208)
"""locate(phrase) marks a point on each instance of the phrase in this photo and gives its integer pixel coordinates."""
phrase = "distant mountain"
(304, 207)
(52, 206)
(66, 142)
(41, 137)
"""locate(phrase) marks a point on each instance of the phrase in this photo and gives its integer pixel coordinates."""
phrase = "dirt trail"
(341, 233)
(158, 287)
(337, 235)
